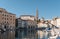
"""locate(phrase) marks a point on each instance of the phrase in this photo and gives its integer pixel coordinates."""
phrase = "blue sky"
(46, 8)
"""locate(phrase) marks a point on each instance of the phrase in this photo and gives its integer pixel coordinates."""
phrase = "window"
(5, 15)
(7, 18)
(0, 11)
(10, 16)
(5, 21)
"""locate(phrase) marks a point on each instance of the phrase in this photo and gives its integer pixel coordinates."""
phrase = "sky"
(46, 8)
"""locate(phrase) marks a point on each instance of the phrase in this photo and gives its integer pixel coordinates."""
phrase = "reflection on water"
(7, 35)
(24, 34)
(42, 35)
(32, 35)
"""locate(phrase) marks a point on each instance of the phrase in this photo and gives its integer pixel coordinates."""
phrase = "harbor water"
(25, 34)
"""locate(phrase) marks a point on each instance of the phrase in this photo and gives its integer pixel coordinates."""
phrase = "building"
(29, 24)
(7, 19)
(42, 24)
(18, 22)
(56, 22)
(21, 23)
(27, 21)
(27, 17)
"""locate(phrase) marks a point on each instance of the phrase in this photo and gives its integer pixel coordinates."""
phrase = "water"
(24, 34)
(7, 35)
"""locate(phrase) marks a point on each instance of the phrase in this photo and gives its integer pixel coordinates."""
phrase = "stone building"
(18, 22)
(29, 24)
(7, 19)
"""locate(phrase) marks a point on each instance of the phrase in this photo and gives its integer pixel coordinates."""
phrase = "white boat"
(53, 37)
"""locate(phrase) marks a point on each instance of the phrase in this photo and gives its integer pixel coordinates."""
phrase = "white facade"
(52, 22)
(25, 17)
(58, 22)
(42, 25)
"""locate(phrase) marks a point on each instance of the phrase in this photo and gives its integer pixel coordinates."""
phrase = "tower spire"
(37, 14)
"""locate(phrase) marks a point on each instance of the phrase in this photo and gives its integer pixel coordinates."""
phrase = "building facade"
(27, 17)
(56, 22)
(29, 24)
(42, 24)
(7, 19)
(18, 22)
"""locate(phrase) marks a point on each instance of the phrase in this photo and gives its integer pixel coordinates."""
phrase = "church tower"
(37, 14)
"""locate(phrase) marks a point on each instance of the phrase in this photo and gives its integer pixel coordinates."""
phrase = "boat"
(48, 29)
(53, 37)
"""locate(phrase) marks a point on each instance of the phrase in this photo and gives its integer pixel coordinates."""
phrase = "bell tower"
(37, 14)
